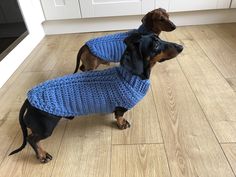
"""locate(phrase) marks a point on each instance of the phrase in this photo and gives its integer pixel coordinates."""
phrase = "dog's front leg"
(34, 140)
(121, 122)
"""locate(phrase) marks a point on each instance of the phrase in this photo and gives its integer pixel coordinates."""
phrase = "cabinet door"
(104, 8)
(186, 5)
(233, 5)
(61, 9)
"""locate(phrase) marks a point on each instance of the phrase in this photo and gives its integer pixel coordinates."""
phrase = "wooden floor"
(185, 126)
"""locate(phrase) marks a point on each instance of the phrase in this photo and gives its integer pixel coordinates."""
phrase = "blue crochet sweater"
(111, 47)
(89, 92)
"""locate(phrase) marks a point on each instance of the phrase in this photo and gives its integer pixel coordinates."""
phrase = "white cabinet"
(103, 8)
(71, 9)
(186, 5)
(61, 9)
(233, 5)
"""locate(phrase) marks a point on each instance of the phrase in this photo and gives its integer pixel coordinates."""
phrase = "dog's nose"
(179, 48)
(173, 27)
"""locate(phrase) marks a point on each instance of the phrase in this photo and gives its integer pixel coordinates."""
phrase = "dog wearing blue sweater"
(110, 48)
(114, 90)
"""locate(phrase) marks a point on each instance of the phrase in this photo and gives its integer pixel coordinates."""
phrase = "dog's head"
(157, 21)
(143, 51)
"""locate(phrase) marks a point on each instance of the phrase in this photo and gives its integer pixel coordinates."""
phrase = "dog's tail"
(78, 58)
(23, 127)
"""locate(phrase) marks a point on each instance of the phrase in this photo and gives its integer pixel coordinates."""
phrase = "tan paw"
(124, 124)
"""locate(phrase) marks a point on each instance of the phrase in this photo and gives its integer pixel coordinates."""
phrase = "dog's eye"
(162, 19)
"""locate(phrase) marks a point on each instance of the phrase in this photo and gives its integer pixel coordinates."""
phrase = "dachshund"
(141, 54)
(93, 53)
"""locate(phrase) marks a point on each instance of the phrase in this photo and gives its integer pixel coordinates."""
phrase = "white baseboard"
(130, 22)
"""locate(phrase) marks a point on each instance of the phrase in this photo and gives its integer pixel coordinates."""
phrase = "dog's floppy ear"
(133, 58)
(147, 20)
(134, 38)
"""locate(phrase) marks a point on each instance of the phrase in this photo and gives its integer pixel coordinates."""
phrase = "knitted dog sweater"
(111, 47)
(89, 92)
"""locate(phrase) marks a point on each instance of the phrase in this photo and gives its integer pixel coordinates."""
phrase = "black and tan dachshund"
(140, 56)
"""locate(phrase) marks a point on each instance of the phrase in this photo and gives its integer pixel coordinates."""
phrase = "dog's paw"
(82, 68)
(44, 158)
(123, 125)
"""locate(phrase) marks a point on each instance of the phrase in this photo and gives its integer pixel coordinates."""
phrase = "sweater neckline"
(133, 80)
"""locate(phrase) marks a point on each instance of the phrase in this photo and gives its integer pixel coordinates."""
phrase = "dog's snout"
(173, 27)
(179, 48)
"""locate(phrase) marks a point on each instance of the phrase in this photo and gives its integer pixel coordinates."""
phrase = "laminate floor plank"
(191, 147)
(86, 148)
(139, 161)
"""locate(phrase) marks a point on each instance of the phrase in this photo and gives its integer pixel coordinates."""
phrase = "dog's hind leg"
(121, 122)
(78, 58)
(34, 141)
(89, 61)
(41, 126)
